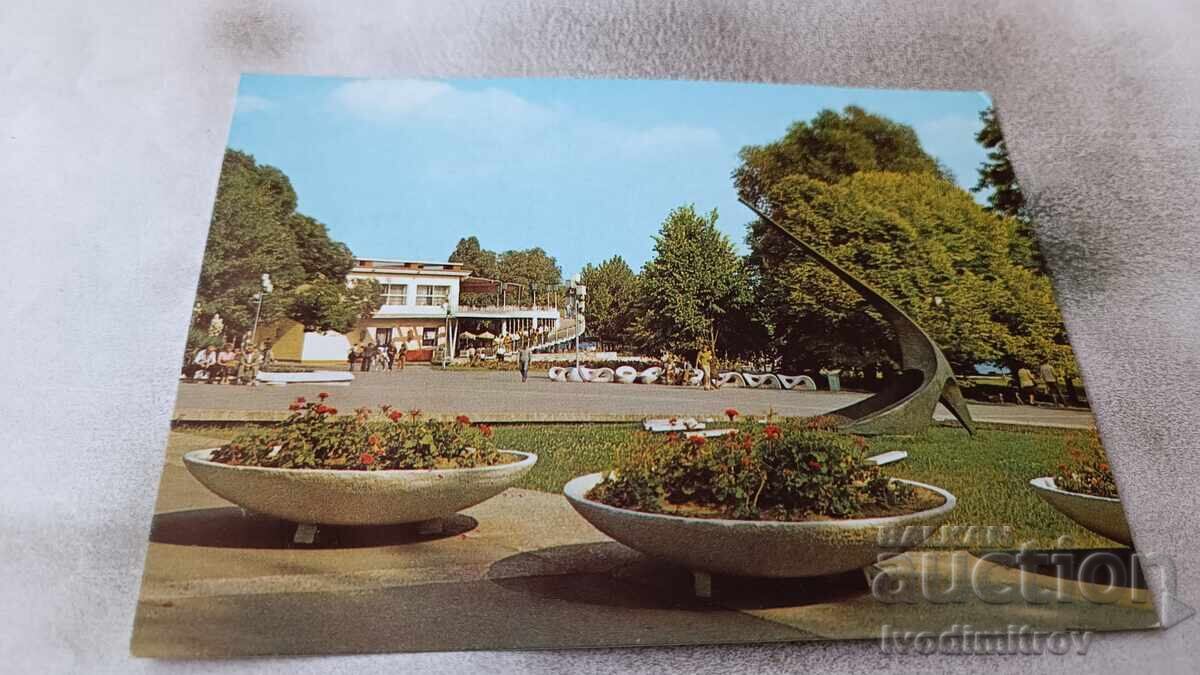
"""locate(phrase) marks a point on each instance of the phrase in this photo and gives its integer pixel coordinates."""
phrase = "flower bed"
(790, 470)
(1088, 471)
(314, 436)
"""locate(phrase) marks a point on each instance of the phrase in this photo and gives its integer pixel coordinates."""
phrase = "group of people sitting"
(230, 364)
(391, 356)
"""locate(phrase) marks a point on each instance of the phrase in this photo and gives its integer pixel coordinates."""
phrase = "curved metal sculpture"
(906, 405)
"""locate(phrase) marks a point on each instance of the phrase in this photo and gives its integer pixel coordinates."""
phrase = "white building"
(421, 306)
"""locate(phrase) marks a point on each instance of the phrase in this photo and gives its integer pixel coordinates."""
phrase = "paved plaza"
(500, 396)
(521, 570)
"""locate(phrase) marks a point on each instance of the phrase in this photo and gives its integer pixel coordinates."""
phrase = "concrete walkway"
(521, 570)
(499, 396)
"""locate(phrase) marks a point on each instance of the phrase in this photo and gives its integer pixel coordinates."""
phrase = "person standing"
(391, 355)
(352, 356)
(1025, 385)
(402, 353)
(705, 362)
(248, 370)
(368, 355)
(524, 358)
(1050, 377)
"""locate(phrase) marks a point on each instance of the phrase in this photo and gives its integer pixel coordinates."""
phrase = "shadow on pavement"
(231, 527)
(610, 574)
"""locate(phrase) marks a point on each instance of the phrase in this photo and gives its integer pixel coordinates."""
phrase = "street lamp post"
(446, 350)
(577, 293)
(267, 287)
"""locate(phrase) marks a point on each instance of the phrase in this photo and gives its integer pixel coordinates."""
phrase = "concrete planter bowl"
(1102, 515)
(751, 548)
(342, 497)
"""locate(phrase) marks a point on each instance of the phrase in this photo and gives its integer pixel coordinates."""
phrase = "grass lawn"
(989, 473)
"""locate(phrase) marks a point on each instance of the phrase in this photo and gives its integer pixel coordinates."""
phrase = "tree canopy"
(830, 147)
(1005, 196)
(256, 229)
(611, 290)
(696, 289)
(925, 244)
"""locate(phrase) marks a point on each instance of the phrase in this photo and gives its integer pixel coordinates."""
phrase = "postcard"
(548, 363)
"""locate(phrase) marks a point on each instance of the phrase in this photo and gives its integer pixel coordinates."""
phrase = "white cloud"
(248, 103)
(437, 102)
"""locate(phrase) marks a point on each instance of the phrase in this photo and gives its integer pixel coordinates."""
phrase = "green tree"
(611, 288)
(922, 242)
(695, 290)
(324, 304)
(830, 147)
(474, 257)
(1005, 196)
(530, 266)
(255, 229)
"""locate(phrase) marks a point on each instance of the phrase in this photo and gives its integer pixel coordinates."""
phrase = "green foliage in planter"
(790, 470)
(314, 436)
(1088, 471)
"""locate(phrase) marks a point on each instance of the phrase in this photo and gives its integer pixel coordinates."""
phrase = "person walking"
(1050, 377)
(524, 358)
(352, 356)
(391, 355)
(1025, 385)
(402, 353)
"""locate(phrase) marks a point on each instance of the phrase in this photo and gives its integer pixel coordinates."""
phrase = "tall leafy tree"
(1005, 196)
(830, 147)
(530, 266)
(696, 289)
(474, 257)
(611, 289)
(256, 229)
(922, 242)
(324, 304)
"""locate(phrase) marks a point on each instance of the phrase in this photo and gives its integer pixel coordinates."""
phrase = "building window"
(433, 296)
(394, 294)
(429, 337)
(383, 336)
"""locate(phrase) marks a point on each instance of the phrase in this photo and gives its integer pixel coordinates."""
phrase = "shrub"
(786, 470)
(314, 436)
(1088, 471)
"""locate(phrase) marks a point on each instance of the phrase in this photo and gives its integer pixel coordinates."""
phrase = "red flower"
(414, 413)
(322, 409)
(772, 432)
(1103, 466)
(485, 430)
(673, 421)
(697, 440)
(300, 400)
(366, 458)
(814, 465)
(323, 395)
(332, 411)
(731, 413)
(395, 415)
(294, 406)
(672, 437)
(462, 419)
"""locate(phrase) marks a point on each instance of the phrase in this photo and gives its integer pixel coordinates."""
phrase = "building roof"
(362, 265)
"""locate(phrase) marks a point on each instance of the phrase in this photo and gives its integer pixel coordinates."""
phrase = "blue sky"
(583, 168)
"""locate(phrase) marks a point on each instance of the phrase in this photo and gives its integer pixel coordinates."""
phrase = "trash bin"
(835, 380)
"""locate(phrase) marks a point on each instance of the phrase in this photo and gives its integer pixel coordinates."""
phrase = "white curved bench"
(557, 374)
(770, 381)
(752, 380)
(650, 375)
(314, 377)
(696, 378)
(625, 374)
(602, 375)
(731, 379)
(804, 382)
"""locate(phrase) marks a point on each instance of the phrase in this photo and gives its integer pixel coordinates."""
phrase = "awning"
(486, 336)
